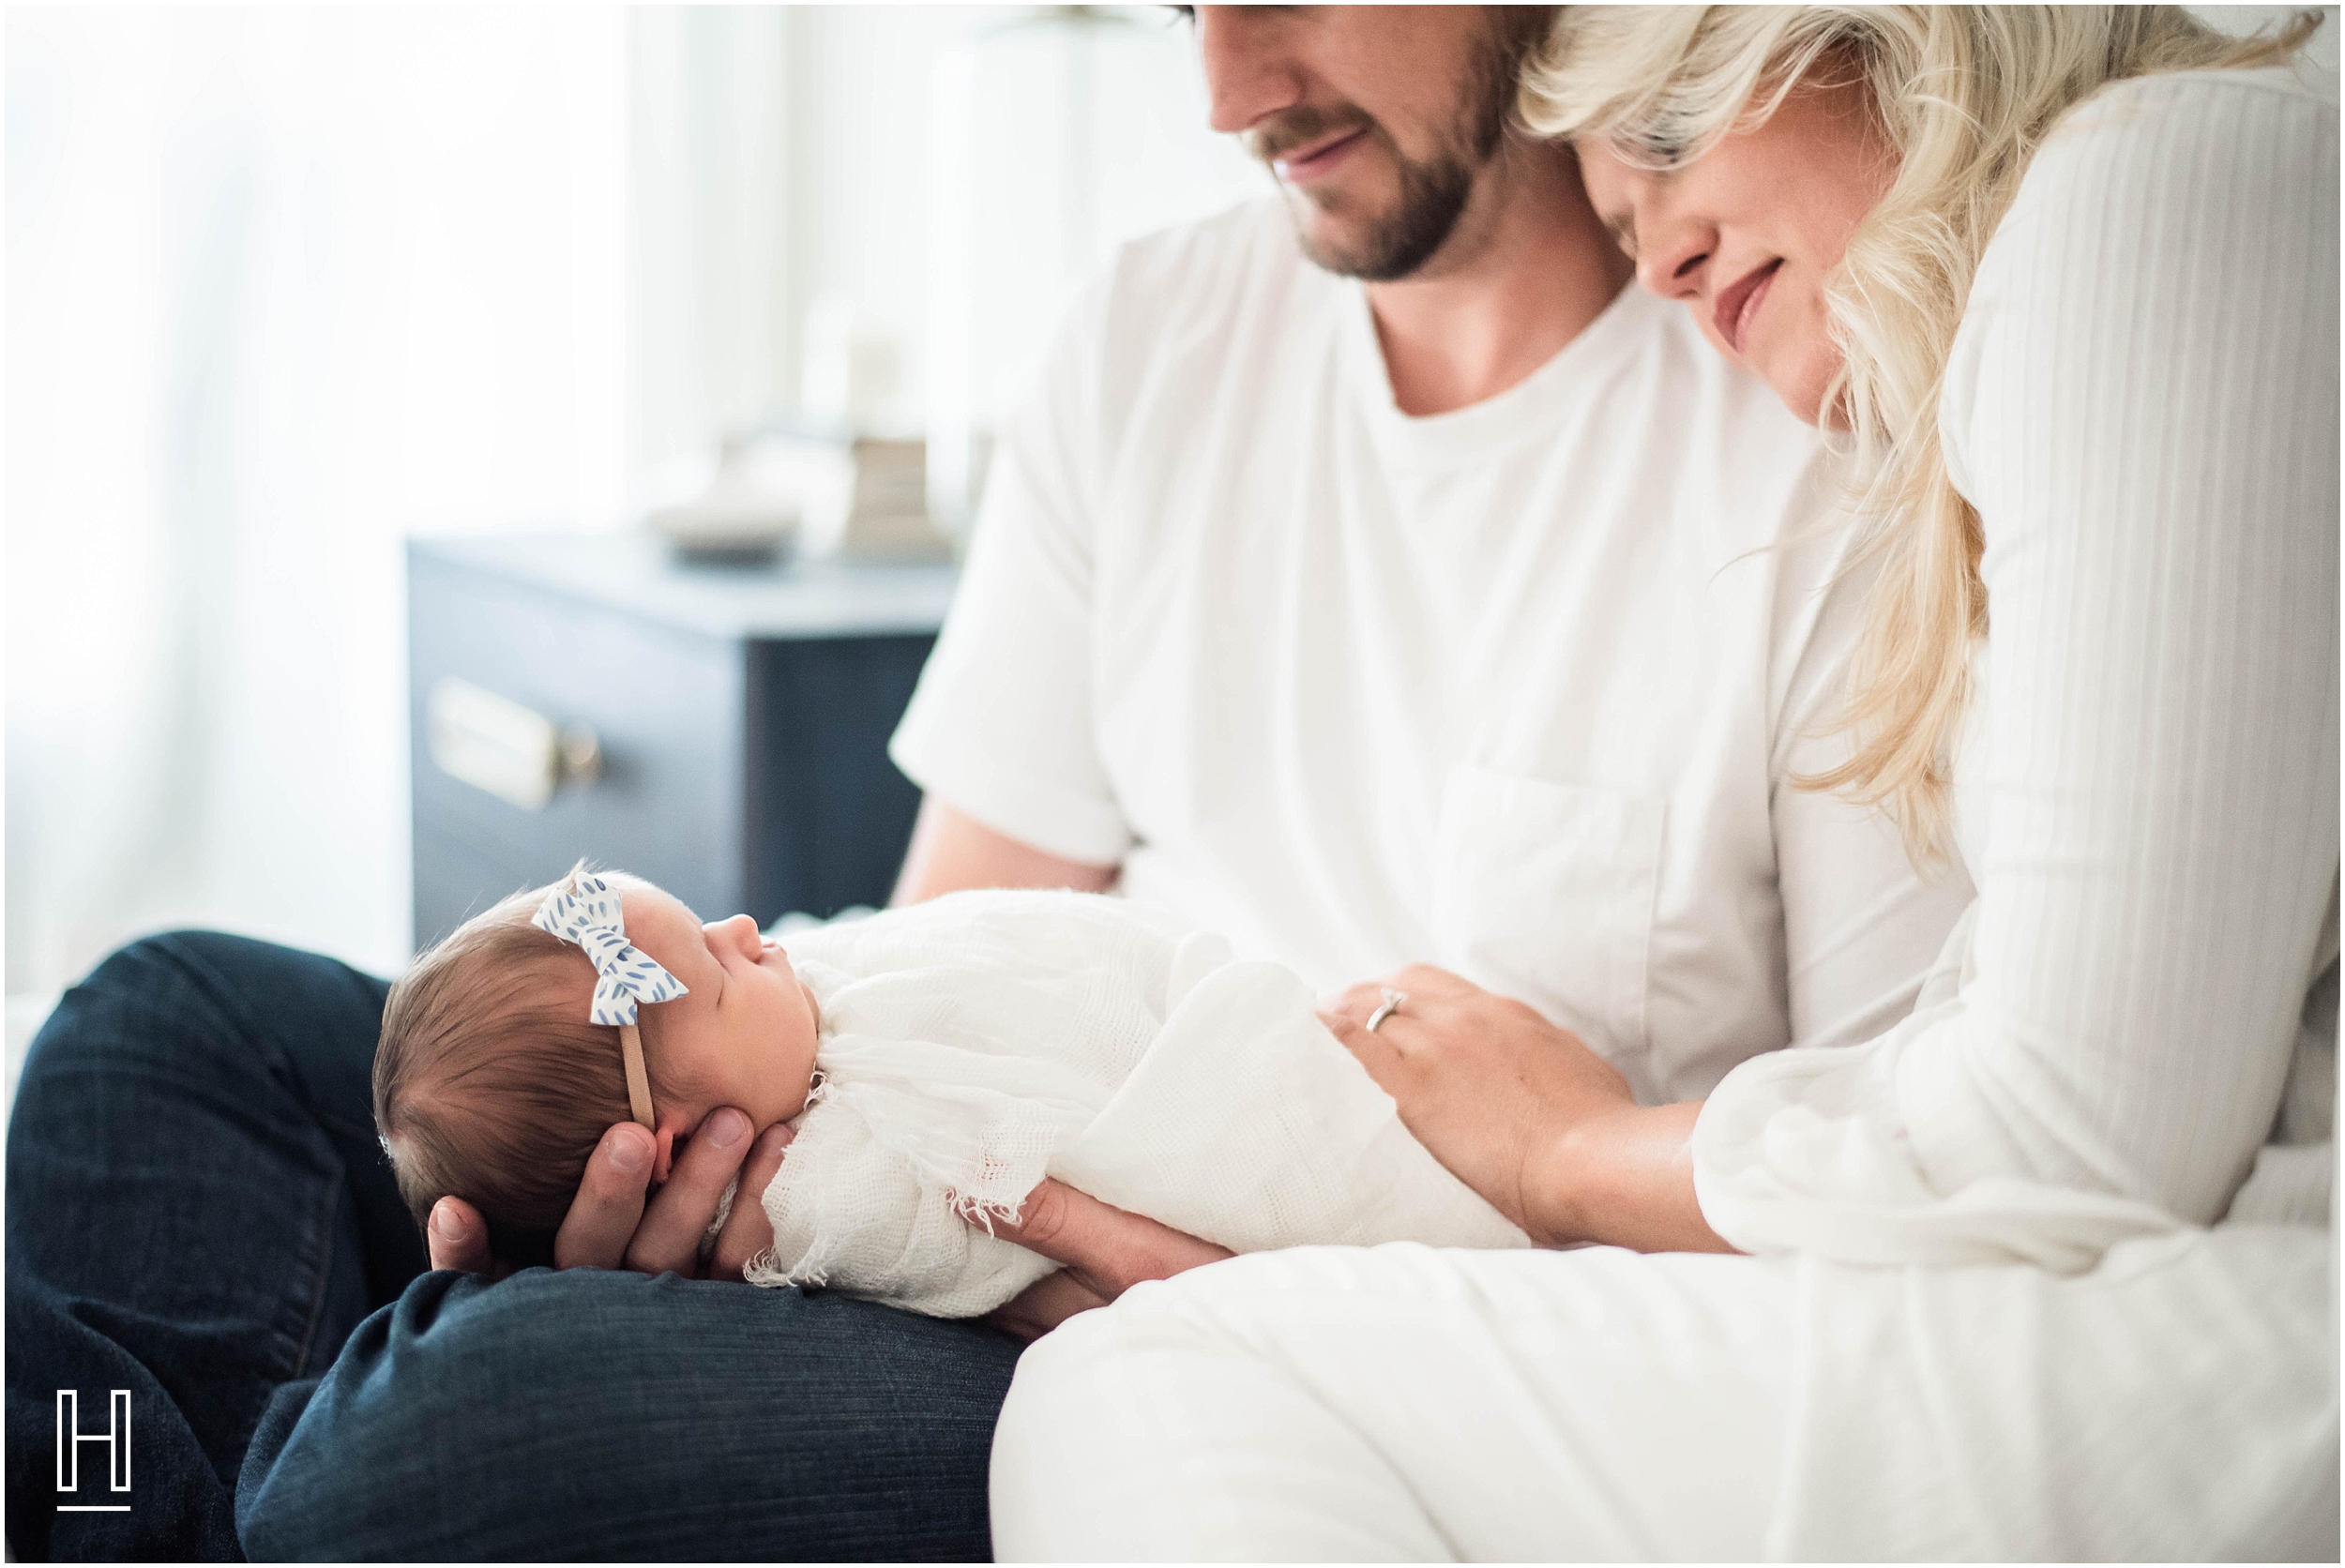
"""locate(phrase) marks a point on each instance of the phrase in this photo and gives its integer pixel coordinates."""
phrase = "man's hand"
(612, 1224)
(1105, 1251)
(1526, 1114)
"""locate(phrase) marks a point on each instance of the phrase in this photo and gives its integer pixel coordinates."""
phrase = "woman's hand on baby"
(618, 1222)
(1525, 1113)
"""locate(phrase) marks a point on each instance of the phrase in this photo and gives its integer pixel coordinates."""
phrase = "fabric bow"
(588, 915)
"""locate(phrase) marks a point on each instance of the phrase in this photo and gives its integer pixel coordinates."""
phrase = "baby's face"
(743, 1036)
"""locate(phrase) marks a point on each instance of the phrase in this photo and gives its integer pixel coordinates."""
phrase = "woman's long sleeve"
(2143, 403)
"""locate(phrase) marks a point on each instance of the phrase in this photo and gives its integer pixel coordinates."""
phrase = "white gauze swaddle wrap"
(977, 1042)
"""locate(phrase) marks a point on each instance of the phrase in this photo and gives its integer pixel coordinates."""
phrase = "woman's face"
(1748, 234)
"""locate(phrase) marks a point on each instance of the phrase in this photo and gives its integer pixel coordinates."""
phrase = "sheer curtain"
(283, 286)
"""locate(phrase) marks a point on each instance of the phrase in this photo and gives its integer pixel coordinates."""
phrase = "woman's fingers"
(1424, 980)
(1382, 1049)
(1106, 1249)
(1421, 985)
(748, 1230)
(1378, 1052)
(1353, 1005)
(610, 1201)
(678, 1216)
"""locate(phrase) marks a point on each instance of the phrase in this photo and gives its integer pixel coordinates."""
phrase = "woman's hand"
(1526, 1114)
(618, 1222)
(1105, 1251)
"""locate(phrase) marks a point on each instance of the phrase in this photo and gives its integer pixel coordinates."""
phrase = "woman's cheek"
(1804, 360)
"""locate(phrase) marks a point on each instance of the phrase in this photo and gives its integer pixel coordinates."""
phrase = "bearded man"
(1372, 578)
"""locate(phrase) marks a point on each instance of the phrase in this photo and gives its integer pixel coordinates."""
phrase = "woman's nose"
(1673, 257)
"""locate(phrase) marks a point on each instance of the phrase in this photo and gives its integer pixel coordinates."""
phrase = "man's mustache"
(1300, 126)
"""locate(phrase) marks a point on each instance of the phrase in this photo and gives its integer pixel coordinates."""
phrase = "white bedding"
(973, 1043)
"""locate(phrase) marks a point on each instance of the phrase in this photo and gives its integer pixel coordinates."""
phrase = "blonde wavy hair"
(1966, 95)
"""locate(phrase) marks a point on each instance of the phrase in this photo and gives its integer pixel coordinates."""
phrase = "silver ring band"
(1392, 1005)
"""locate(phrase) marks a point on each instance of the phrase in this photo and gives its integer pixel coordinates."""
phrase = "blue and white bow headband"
(587, 912)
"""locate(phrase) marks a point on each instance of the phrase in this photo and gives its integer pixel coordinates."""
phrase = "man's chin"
(1376, 241)
(1333, 235)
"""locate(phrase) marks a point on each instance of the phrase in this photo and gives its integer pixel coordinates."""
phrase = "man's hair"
(490, 1083)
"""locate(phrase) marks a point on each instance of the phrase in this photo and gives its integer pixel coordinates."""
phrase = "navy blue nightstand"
(721, 731)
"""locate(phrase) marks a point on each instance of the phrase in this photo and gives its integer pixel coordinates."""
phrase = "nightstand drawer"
(740, 767)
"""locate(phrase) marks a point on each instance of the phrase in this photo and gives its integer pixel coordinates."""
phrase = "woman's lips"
(1316, 160)
(1740, 302)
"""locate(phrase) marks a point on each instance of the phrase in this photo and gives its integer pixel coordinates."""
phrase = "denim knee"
(594, 1414)
(179, 1041)
(198, 1212)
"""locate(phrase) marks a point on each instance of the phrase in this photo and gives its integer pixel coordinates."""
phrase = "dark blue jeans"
(198, 1212)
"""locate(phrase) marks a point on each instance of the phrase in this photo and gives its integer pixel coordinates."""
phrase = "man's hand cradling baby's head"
(613, 1226)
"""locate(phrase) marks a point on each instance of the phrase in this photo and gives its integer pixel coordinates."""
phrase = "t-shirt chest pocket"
(1544, 892)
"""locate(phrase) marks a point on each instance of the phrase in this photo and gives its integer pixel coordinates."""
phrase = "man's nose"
(1249, 71)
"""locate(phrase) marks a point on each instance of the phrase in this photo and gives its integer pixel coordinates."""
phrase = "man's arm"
(951, 852)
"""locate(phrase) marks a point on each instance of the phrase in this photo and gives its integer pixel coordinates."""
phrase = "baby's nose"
(741, 929)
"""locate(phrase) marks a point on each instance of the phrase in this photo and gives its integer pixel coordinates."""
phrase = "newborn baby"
(938, 1059)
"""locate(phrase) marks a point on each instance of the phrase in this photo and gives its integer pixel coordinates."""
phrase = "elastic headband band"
(638, 1080)
(586, 911)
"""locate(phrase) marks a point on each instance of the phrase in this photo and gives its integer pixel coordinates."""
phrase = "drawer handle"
(513, 752)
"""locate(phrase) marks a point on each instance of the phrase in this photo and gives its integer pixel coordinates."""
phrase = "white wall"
(2322, 53)
(283, 286)
(286, 286)
(787, 159)
(865, 133)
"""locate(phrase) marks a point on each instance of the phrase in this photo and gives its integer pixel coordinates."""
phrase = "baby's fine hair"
(490, 1083)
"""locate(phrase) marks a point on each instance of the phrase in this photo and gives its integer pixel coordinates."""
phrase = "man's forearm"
(951, 852)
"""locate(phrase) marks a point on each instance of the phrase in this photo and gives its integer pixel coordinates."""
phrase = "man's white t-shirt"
(1517, 689)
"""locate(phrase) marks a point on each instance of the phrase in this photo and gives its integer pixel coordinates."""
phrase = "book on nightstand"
(859, 496)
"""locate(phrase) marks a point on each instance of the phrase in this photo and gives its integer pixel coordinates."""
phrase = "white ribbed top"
(2143, 403)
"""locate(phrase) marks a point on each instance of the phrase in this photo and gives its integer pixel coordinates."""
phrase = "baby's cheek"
(673, 1059)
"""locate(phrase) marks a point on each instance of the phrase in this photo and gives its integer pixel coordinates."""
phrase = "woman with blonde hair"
(2047, 1270)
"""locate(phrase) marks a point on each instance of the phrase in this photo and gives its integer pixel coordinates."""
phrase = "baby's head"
(492, 1083)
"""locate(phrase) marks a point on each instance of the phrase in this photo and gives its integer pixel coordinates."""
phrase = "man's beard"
(1433, 191)
(1433, 195)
